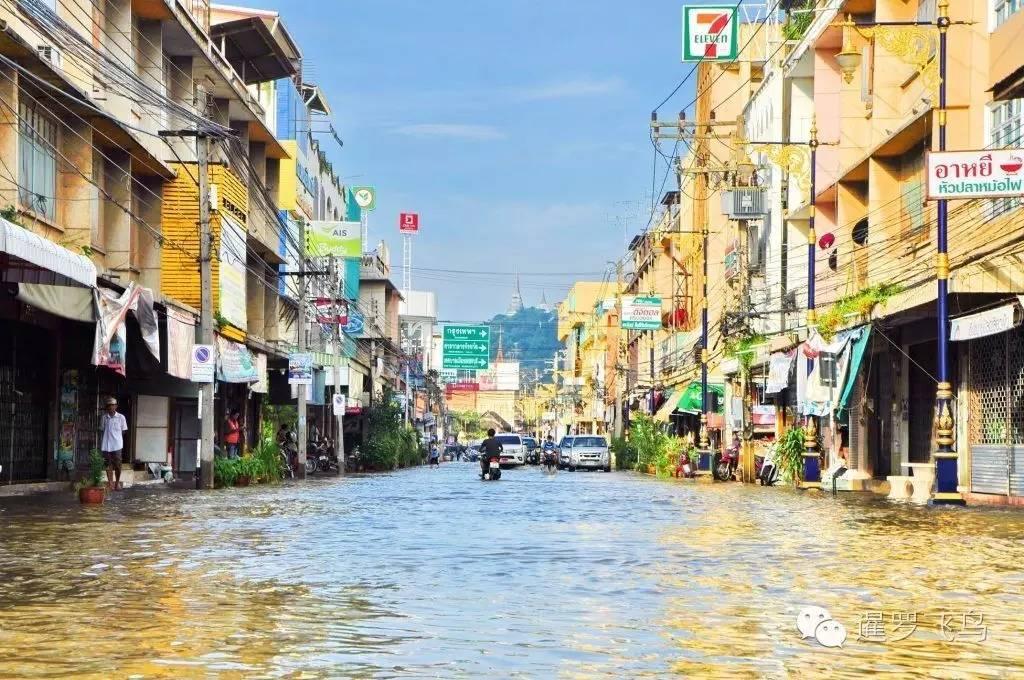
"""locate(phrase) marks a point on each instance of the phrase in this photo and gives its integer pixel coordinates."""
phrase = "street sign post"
(466, 347)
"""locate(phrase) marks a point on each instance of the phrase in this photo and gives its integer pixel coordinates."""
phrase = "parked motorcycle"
(726, 464)
(766, 469)
(493, 472)
(320, 457)
(289, 453)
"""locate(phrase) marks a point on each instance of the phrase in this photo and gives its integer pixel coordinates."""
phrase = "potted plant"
(248, 470)
(92, 491)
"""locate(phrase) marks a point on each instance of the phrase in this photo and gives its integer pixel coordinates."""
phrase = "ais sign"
(710, 33)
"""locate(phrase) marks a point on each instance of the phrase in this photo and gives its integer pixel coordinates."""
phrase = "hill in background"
(529, 337)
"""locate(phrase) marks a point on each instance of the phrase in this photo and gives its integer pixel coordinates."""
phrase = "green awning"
(689, 400)
(856, 358)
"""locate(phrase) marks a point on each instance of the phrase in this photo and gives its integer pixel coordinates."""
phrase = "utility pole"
(301, 472)
(208, 419)
(620, 422)
(340, 438)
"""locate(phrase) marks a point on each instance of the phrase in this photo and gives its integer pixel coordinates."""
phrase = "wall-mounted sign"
(976, 174)
(342, 239)
(641, 313)
(710, 33)
(203, 363)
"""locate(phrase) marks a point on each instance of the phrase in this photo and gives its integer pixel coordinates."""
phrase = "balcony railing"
(200, 11)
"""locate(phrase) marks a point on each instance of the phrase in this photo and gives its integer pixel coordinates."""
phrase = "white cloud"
(579, 87)
(477, 133)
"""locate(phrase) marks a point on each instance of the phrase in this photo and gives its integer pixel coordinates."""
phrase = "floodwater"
(432, 573)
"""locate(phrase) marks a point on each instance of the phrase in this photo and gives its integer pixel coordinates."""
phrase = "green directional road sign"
(478, 363)
(466, 347)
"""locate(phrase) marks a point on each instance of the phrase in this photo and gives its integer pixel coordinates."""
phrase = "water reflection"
(430, 573)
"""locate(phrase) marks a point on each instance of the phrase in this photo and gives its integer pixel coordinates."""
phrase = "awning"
(20, 243)
(690, 401)
(68, 302)
(663, 413)
(259, 48)
(857, 357)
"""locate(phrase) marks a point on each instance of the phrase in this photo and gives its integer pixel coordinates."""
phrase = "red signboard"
(463, 387)
(329, 311)
(409, 223)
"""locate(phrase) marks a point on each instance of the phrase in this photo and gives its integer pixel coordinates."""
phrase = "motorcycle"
(320, 457)
(726, 464)
(289, 456)
(766, 469)
(493, 470)
(550, 460)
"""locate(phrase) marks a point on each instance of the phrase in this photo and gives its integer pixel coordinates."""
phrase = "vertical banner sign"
(409, 223)
(366, 197)
(710, 33)
(232, 271)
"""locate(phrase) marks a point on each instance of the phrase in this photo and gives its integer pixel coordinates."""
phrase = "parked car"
(514, 451)
(532, 450)
(591, 452)
(564, 449)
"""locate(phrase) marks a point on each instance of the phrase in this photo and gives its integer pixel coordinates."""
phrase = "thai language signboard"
(976, 174)
(466, 347)
(641, 313)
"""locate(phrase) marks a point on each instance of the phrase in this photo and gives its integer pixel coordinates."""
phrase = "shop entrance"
(26, 353)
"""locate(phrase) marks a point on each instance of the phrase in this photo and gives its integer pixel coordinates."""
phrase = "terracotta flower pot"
(243, 480)
(92, 495)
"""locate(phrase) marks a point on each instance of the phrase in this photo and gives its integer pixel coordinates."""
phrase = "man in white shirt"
(112, 428)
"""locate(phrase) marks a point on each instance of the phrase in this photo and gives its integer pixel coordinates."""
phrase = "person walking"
(233, 437)
(112, 428)
(435, 456)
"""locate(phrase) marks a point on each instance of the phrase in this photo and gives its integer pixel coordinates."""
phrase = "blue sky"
(516, 128)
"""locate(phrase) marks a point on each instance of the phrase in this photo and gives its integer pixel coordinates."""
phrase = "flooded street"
(431, 573)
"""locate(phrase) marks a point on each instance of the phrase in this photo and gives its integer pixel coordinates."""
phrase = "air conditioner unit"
(743, 204)
(49, 53)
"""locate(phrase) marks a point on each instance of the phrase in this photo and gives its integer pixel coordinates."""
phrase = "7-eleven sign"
(709, 33)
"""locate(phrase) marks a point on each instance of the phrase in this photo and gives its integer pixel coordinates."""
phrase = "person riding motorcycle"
(489, 448)
(549, 451)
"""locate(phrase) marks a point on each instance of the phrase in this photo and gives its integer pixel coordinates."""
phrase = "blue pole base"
(812, 471)
(946, 480)
(704, 461)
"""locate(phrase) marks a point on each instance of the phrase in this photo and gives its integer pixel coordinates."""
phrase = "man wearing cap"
(112, 428)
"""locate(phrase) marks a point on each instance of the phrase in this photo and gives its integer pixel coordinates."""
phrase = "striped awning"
(19, 242)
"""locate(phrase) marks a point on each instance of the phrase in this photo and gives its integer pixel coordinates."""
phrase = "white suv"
(513, 448)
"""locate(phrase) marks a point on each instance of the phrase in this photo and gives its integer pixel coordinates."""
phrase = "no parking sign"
(203, 363)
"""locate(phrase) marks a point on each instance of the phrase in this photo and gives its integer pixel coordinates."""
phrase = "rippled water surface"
(431, 573)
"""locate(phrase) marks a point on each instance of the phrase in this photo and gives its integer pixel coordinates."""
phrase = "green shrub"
(226, 471)
(266, 459)
(789, 454)
(625, 453)
(390, 444)
(653, 445)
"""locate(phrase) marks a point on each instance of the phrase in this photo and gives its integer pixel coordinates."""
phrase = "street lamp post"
(912, 42)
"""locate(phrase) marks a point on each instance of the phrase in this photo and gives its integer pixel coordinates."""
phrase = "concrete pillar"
(8, 135)
(148, 208)
(255, 292)
(271, 315)
(117, 222)
(76, 212)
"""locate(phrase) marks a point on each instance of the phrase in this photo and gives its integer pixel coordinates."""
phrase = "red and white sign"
(997, 173)
(462, 387)
(409, 223)
(331, 311)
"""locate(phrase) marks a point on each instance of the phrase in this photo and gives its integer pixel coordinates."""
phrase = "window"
(1007, 127)
(1004, 9)
(828, 369)
(37, 158)
(912, 210)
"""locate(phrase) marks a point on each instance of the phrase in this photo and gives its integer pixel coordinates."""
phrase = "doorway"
(186, 435)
